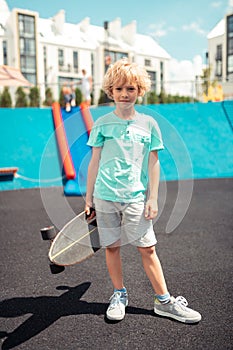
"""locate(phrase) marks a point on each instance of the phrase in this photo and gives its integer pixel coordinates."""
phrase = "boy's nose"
(124, 92)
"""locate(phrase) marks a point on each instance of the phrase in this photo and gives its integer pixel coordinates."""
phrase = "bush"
(34, 97)
(152, 98)
(21, 98)
(48, 97)
(78, 96)
(61, 99)
(103, 99)
(6, 100)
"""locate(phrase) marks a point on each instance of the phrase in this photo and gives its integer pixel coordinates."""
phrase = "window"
(45, 64)
(26, 25)
(147, 63)
(27, 46)
(218, 69)
(229, 45)
(4, 48)
(218, 56)
(75, 61)
(92, 64)
(218, 63)
(153, 80)
(28, 64)
(113, 56)
(60, 57)
(161, 75)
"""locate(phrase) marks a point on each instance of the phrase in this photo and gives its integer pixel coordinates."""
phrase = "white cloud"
(159, 33)
(195, 27)
(229, 8)
(216, 4)
(182, 75)
(159, 30)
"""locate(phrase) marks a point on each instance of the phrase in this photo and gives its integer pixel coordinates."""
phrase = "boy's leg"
(164, 304)
(153, 269)
(114, 265)
(109, 224)
(119, 299)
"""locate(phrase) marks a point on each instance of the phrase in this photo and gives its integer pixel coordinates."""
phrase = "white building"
(220, 54)
(50, 51)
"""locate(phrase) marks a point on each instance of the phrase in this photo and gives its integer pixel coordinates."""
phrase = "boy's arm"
(151, 208)
(91, 177)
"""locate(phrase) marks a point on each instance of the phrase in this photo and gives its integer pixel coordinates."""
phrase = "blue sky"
(180, 26)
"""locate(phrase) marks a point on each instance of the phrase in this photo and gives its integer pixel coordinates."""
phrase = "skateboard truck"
(48, 234)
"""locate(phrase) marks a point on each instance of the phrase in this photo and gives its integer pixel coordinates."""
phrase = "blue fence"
(198, 141)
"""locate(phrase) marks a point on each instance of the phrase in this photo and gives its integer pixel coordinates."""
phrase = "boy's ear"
(141, 92)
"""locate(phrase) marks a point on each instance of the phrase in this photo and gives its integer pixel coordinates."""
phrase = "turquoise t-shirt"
(126, 144)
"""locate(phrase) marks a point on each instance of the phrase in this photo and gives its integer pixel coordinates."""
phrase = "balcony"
(218, 56)
(68, 69)
(65, 68)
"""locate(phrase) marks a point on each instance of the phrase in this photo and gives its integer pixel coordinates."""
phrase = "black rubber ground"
(66, 311)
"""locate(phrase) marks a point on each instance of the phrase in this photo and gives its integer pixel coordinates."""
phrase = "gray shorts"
(123, 223)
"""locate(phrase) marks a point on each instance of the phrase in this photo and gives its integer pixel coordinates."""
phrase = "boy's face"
(125, 93)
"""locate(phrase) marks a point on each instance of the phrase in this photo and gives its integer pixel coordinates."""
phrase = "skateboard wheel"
(56, 268)
(48, 233)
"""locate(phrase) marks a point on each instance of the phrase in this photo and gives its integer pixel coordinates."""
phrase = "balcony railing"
(218, 56)
(68, 69)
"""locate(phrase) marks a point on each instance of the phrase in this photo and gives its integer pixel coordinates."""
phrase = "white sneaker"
(68, 108)
(177, 309)
(73, 103)
(118, 303)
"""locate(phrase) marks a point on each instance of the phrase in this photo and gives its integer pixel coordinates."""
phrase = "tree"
(152, 98)
(78, 96)
(102, 97)
(34, 97)
(205, 79)
(21, 98)
(48, 97)
(6, 100)
(162, 96)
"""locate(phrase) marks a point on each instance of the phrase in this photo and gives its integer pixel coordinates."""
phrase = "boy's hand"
(89, 212)
(151, 209)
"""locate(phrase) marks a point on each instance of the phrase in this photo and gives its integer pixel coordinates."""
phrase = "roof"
(56, 31)
(218, 30)
(145, 44)
(93, 36)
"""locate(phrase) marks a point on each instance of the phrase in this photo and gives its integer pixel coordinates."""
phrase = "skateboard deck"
(77, 241)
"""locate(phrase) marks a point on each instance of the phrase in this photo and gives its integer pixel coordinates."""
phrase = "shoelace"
(114, 299)
(181, 301)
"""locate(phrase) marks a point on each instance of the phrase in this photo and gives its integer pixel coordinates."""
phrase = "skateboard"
(77, 241)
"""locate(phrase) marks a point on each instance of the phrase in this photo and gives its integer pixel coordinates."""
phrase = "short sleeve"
(156, 138)
(96, 138)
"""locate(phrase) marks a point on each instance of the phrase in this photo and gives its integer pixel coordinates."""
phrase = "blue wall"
(198, 143)
(197, 131)
(27, 141)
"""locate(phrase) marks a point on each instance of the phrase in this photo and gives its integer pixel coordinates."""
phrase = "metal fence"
(163, 91)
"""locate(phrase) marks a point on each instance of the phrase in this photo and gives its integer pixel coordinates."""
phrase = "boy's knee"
(147, 251)
(113, 249)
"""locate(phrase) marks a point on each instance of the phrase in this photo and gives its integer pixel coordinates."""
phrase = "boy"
(122, 184)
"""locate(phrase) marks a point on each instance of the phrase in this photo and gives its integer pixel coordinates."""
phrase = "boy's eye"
(130, 89)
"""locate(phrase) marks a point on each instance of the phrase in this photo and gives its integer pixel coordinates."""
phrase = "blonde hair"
(123, 72)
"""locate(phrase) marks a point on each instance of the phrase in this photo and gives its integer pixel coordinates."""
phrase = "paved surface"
(41, 311)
